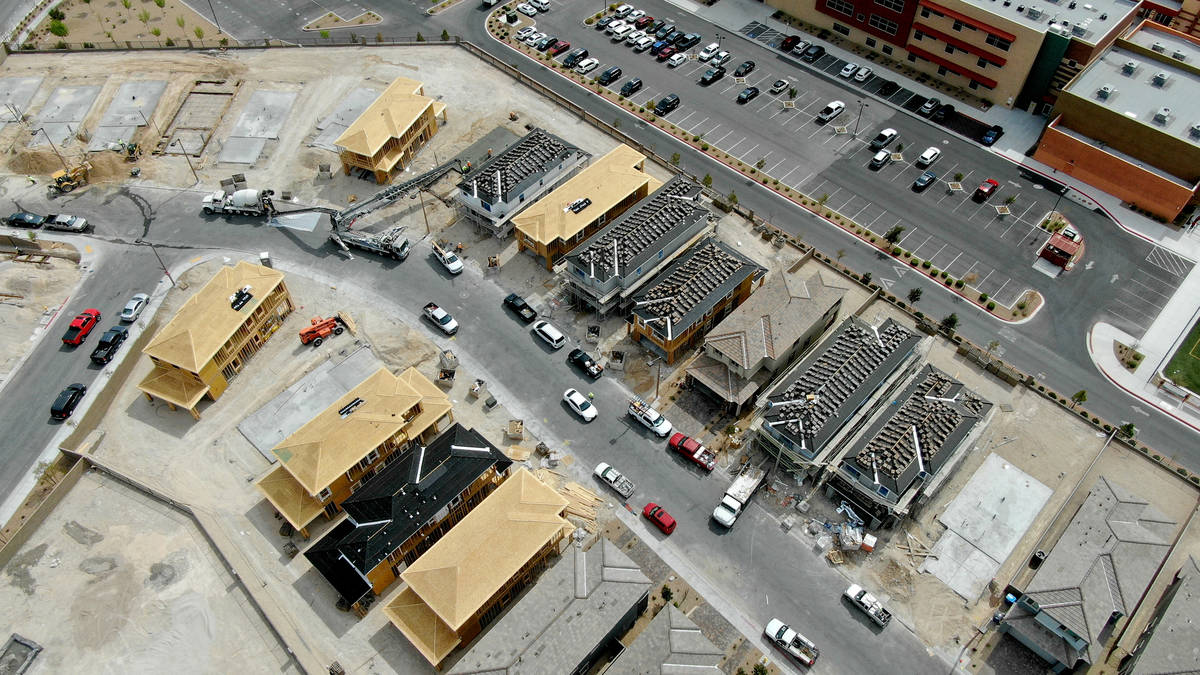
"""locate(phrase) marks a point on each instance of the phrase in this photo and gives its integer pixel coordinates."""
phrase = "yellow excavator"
(71, 178)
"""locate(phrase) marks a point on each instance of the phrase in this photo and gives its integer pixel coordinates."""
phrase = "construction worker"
(32, 180)
(591, 396)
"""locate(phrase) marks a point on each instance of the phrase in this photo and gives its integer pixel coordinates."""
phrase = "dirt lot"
(115, 582)
(40, 291)
(322, 78)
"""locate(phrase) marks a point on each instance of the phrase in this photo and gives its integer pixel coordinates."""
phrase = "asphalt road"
(529, 378)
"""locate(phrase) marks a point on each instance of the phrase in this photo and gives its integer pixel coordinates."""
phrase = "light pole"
(160, 260)
(33, 132)
(147, 122)
(861, 105)
(179, 142)
(215, 22)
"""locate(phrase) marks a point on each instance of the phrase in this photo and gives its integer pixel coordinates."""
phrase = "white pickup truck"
(649, 417)
(441, 318)
(792, 643)
(869, 604)
(449, 259)
(615, 479)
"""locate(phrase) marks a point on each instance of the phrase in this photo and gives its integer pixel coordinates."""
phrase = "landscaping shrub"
(991, 306)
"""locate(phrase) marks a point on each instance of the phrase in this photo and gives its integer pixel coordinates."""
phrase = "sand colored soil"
(41, 289)
(104, 22)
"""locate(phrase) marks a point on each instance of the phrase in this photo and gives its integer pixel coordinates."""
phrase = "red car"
(666, 53)
(985, 190)
(559, 47)
(659, 516)
(693, 450)
(81, 326)
(643, 22)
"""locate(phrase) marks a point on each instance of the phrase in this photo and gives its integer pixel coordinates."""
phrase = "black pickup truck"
(110, 342)
(522, 309)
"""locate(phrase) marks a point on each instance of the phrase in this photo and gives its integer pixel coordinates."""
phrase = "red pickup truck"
(81, 326)
(693, 450)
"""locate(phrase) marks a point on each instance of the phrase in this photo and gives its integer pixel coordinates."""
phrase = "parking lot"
(779, 135)
(1139, 298)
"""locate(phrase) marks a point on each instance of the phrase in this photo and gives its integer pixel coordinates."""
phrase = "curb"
(1112, 380)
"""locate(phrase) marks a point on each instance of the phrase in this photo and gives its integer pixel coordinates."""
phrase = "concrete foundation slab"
(133, 104)
(299, 403)
(264, 115)
(241, 150)
(985, 522)
(15, 95)
(107, 137)
(342, 117)
(68, 104)
(188, 141)
(63, 114)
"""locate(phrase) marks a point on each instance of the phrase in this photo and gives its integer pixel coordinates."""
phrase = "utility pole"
(421, 196)
(179, 142)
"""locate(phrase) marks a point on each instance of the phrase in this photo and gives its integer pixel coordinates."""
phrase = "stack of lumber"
(582, 503)
(517, 453)
(549, 477)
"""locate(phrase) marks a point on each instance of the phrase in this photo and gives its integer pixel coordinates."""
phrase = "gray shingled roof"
(934, 413)
(1174, 646)
(562, 617)
(839, 375)
(639, 233)
(770, 321)
(1102, 563)
(693, 284)
(671, 643)
(534, 155)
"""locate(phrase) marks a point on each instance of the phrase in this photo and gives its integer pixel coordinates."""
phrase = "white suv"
(549, 334)
(709, 51)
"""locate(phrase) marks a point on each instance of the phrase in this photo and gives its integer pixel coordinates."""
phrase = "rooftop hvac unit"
(1104, 92)
(1034, 12)
(1179, 55)
(1159, 47)
(1195, 130)
(1162, 114)
(1160, 78)
(1129, 67)
(1078, 29)
(1089, 7)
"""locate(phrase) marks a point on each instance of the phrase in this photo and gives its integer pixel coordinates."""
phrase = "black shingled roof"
(396, 503)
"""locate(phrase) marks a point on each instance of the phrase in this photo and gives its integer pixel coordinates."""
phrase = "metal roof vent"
(1159, 47)
(1104, 92)
(1195, 130)
(1160, 78)
(1129, 67)
(1162, 115)
(1178, 55)
(1034, 11)
(1020, 9)
(1103, 16)
(1078, 29)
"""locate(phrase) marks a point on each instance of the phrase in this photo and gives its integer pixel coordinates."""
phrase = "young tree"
(893, 235)
(950, 322)
(707, 180)
(1128, 430)
(914, 295)
(1078, 397)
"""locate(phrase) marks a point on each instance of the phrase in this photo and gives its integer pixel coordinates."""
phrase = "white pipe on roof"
(917, 445)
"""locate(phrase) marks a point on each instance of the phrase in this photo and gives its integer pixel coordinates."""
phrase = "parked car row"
(110, 342)
(55, 221)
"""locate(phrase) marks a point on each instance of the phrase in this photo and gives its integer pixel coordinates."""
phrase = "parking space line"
(947, 265)
(984, 280)
(771, 171)
(864, 208)
(1136, 308)
(730, 150)
(904, 238)
(997, 293)
(1149, 288)
(869, 225)
(789, 173)
(716, 142)
(747, 154)
(689, 115)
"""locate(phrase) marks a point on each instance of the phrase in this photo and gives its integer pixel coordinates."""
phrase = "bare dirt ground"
(39, 290)
(115, 582)
(108, 22)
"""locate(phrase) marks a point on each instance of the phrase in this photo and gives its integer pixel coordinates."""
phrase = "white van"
(542, 5)
(620, 33)
(549, 334)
